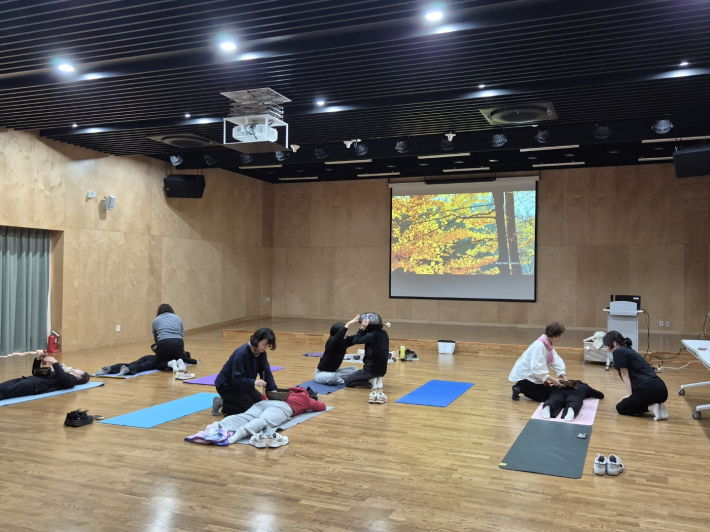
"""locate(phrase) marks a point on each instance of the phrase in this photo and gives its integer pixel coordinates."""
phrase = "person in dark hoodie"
(568, 399)
(329, 371)
(55, 379)
(246, 368)
(377, 346)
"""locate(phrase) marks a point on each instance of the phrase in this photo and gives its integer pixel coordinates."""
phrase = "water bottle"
(402, 353)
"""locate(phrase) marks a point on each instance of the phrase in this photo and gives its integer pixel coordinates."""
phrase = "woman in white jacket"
(531, 373)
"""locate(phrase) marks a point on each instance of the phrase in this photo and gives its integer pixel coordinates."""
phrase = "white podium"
(623, 317)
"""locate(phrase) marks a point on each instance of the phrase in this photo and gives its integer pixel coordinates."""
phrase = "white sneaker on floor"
(184, 375)
(600, 464)
(277, 440)
(381, 398)
(373, 397)
(614, 467)
(258, 440)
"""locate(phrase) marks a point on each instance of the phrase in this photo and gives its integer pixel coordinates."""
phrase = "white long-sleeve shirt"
(533, 364)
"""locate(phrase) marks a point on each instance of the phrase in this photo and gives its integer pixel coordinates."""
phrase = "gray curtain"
(24, 289)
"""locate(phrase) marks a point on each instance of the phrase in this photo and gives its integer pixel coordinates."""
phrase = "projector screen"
(464, 240)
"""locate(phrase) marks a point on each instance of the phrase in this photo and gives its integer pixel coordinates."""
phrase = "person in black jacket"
(329, 371)
(246, 368)
(646, 391)
(568, 399)
(377, 346)
(57, 379)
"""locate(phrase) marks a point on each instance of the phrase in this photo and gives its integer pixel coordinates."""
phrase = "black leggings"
(536, 392)
(171, 349)
(562, 400)
(359, 379)
(649, 392)
(145, 363)
(237, 401)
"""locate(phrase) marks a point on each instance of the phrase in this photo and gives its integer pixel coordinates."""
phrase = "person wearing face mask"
(44, 379)
(246, 368)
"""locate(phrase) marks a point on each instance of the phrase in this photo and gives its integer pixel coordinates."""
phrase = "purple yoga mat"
(209, 379)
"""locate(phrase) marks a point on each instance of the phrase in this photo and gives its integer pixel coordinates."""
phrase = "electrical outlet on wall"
(668, 324)
(661, 324)
(118, 328)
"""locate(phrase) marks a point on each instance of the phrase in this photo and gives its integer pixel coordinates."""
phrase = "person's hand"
(365, 323)
(261, 383)
(563, 377)
(553, 381)
(50, 359)
(353, 321)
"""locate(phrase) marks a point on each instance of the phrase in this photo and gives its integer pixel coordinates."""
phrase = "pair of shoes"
(261, 441)
(608, 466)
(103, 371)
(516, 392)
(217, 403)
(184, 375)
(78, 418)
(378, 398)
(659, 411)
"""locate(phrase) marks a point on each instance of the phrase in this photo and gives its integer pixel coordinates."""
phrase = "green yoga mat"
(549, 449)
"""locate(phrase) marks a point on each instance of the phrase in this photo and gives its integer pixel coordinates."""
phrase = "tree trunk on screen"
(512, 234)
(503, 260)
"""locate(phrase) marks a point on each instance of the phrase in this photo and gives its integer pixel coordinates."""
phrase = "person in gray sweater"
(168, 332)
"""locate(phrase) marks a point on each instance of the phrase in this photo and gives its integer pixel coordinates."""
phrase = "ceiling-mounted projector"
(254, 132)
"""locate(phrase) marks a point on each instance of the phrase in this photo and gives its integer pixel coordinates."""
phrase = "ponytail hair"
(616, 336)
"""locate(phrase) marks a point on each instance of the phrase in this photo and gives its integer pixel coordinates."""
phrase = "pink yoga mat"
(209, 379)
(586, 414)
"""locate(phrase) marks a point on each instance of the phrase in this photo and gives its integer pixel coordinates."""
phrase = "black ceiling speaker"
(184, 185)
(693, 161)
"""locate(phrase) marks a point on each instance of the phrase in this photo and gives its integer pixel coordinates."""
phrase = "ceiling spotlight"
(295, 147)
(228, 46)
(433, 16)
(281, 156)
(175, 160)
(661, 126)
(482, 86)
(447, 143)
(320, 103)
(684, 63)
(246, 158)
(602, 131)
(66, 67)
(402, 146)
(210, 159)
(187, 115)
(348, 143)
(320, 152)
(498, 140)
(360, 148)
(74, 125)
(543, 134)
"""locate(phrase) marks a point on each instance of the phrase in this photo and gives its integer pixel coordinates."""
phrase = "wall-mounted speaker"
(693, 161)
(184, 185)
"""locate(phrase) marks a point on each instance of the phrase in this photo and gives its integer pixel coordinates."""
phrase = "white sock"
(373, 383)
(181, 364)
(379, 383)
(545, 412)
(664, 412)
(655, 408)
(173, 364)
(239, 434)
(569, 416)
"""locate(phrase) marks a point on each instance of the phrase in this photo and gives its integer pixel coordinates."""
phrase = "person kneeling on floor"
(377, 353)
(48, 376)
(329, 371)
(262, 419)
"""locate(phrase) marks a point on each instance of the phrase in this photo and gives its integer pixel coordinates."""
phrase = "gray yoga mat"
(549, 449)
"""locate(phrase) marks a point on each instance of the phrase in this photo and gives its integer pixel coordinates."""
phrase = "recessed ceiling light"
(659, 148)
(532, 157)
(391, 166)
(300, 171)
(492, 160)
(613, 151)
(569, 154)
(459, 162)
(328, 169)
(320, 103)
(187, 115)
(66, 67)
(482, 86)
(359, 168)
(433, 16)
(74, 125)
(228, 46)
(684, 63)
(423, 164)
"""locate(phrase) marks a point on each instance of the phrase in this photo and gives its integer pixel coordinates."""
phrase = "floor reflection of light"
(446, 360)
(164, 511)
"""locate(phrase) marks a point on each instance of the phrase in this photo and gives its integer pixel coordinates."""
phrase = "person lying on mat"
(646, 391)
(377, 347)
(264, 417)
(168, 332)
(56, 379)
(568, 399)
(145, 363)
(531, 373)
(329, 371)
(246, 368)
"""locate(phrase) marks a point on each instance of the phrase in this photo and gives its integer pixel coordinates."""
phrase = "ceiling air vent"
(184, 140)
(527, 113)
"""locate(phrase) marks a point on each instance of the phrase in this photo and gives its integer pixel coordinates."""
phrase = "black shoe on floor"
(516, 392)
(78, 418)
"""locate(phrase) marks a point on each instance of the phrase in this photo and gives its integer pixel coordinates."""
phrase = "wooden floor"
(359, 467)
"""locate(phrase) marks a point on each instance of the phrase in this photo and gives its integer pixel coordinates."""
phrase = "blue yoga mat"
(321, 388)
(159, 414)
(27, 398)
(436, 393)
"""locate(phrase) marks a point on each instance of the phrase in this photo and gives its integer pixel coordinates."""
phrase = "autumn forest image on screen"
(489, 233)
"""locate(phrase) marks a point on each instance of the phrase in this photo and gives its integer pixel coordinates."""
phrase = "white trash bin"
(446, 347)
